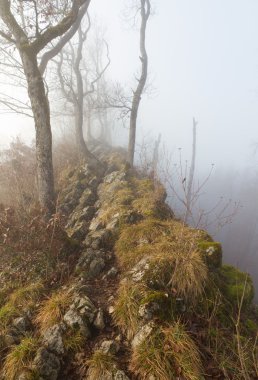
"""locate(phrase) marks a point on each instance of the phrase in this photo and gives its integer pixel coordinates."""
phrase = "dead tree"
(190, 180)
(32, 27)
(155, 159)
(145, 14)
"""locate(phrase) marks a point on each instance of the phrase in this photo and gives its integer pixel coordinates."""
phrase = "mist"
(203, 63)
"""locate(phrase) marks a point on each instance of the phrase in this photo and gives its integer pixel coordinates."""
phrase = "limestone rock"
(149, 310)
(142, 334)
(112, 273)
(88, 198)
(52, 339)
(140, 269)
(99, 321)
(98, 239)
(96, 224)
(47, 364)
(81, 214)
(21, 324)
(109, 347)
(120, 375)
(75, 321)
(91, 263)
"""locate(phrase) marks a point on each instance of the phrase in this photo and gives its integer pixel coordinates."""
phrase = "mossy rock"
(235, 285)
(212, 252)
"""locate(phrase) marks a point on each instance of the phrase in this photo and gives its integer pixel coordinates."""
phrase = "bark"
(145, 13)
(41, 114)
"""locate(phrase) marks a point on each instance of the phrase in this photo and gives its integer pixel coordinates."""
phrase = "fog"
(203, 63)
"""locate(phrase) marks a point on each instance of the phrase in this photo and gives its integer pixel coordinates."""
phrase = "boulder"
(46, 364)
(52, 339)
(120, 375)
(21, 324)
(91, 263)
(99, 321)
(109, 347)
(140, 269)
(142, 334)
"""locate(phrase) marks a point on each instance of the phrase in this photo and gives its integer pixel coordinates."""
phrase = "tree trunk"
(82, 147)
(41, 113)
(145, 13)
(89, 135)
(189, 194)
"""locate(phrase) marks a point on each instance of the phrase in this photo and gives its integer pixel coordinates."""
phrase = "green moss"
(155, 296)
(235, 285)
(212, 252)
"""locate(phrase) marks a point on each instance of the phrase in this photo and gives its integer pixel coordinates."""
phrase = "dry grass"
(148, 197)
(28, 295)
(190, 275)
(19, 358)
(7, 313)
(126, 313)
(168, 353)
(101, 366)
(52, 310)
(73, 340)
(18, 300)
(173, 252)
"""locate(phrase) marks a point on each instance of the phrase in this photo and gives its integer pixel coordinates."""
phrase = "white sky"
(203, 63)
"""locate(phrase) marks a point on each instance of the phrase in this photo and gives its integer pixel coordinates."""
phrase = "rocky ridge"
(148, 297)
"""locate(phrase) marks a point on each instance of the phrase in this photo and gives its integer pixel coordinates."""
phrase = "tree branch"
(73, 23)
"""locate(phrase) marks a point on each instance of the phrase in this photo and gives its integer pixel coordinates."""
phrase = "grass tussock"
(148, 197)
(19, 358)
(172, 249)
(27, 295)
(190, 275)
(73, 340)
(101, 366)
(7, 313)
(21, 298)
(168, 353)
(126, 312)
(52, 310)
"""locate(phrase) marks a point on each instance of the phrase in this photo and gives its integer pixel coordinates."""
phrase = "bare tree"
(32, 27)
(190, 180)
(145, 13)
(78, 88)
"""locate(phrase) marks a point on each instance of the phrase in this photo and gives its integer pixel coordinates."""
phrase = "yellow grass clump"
(101, 366)
(53, 309)
(19, 358)
(168, 353)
